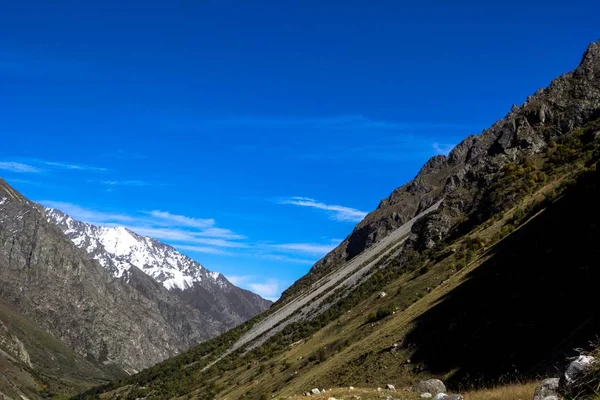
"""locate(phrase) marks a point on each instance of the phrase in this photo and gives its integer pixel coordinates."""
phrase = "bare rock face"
(461, 178)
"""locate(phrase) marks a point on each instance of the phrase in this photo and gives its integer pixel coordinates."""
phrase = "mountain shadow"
(528, 306)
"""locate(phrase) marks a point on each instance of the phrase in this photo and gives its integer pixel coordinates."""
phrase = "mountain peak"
(118, 249)
(590, 62)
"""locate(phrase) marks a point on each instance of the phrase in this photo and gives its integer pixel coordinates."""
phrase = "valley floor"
(520, 391)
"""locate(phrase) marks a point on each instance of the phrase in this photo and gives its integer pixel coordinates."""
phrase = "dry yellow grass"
(508, 392)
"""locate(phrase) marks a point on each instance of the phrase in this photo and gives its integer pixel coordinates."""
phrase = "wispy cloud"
(199, 235)
(352, 121)
(37, 166)
(75, 167)
(18, 167)
(203, 249)
(443, 148)
(308, 248)
(336, 212)
(269, 289)
(182, 220)
(238, 280)
(88, 215)
(126, 183)
(286, 258)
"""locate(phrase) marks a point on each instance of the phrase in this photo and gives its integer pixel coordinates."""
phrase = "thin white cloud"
(182, 220)
(350, 121)
(76, 167)
(162, 226)
(202, 249)
(238, 280)
(126, 183)
(18, 167)
(286, 259)
(307, 248)
(441, 148)
(220, 232)
(336, 212)
(87, 215)
(269, 289)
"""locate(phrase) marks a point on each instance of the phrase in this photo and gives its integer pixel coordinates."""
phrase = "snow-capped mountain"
(119, 250)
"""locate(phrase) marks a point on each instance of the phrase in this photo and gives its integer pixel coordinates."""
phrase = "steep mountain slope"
(414, 284)
(464, 177)
(35, 365)
(119, 250)
(49, 280)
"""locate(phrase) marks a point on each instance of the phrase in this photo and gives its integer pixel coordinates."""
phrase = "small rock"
(434, 386)
(426, 395)
(315, 391)
(307, 394)
(351, 388)
(454, 397)
(382, 295)
(379, 389)
(440, 396)
(548, 387)
(390, 387)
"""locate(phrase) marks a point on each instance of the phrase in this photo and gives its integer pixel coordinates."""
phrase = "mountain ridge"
(567, 102)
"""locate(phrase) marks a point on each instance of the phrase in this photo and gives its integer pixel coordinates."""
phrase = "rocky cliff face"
(122, 252)
(132, 324)
(463, 177)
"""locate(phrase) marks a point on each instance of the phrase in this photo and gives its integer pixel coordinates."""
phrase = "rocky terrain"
(95, 325)
(122, 252)
(459, 274)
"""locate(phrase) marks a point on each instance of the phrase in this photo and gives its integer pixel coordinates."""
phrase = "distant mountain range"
(119, 250)
(120, 301)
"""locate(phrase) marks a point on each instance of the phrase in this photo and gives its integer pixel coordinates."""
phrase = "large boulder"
(580, 377)
(548, 387)
(433, 386)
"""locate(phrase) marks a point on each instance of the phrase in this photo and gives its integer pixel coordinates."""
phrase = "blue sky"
(254, 135)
